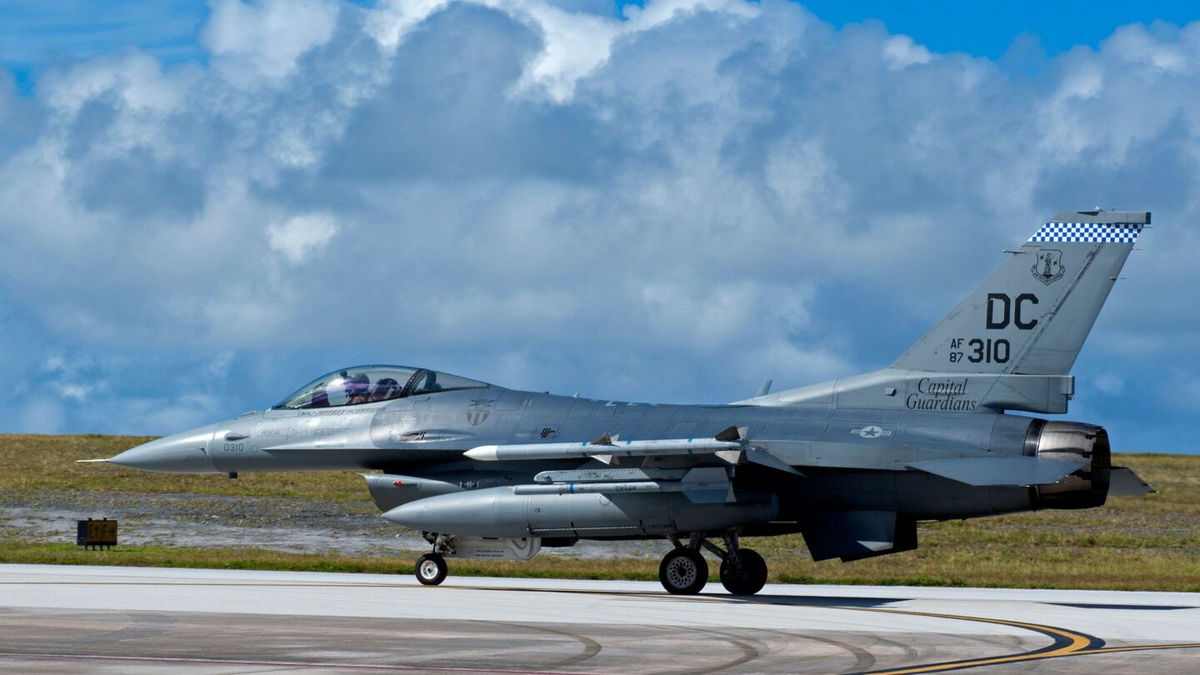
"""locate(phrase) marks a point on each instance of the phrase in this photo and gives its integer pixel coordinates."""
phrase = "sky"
(204, 205)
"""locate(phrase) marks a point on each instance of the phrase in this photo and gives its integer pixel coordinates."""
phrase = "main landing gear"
(684, 571)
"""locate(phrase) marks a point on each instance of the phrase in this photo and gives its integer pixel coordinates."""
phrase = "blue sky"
(988, 29)
(206, 204)
(36, 33)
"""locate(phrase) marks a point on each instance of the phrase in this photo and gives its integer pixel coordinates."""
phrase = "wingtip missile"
(484, 453)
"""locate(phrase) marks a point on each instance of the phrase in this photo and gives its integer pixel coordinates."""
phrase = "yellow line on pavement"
(1071, 643)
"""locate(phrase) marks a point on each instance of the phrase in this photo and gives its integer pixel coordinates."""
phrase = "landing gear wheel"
(431, 569)
(683, 572)
(748, 576)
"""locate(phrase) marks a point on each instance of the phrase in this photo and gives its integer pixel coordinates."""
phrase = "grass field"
(1133, 543)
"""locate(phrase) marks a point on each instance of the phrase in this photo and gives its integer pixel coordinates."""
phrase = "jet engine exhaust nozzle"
(1072, 441)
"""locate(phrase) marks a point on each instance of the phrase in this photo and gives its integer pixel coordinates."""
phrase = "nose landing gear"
(684, 571)
(431, 569)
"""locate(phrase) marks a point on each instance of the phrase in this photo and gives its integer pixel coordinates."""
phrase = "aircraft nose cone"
(185, 452)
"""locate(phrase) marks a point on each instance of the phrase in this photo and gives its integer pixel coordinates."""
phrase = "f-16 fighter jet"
(853, 464)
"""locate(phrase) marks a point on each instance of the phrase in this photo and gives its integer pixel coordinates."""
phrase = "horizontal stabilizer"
(984, 471)
(678, 446)
(1123, 482)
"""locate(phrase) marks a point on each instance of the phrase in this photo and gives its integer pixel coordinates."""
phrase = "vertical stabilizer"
(1032, 314)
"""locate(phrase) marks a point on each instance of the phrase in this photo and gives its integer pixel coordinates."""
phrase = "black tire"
(431, 569)
(683, 572)
(746, 578)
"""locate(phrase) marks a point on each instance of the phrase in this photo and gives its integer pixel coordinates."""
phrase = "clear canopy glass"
(370, 384)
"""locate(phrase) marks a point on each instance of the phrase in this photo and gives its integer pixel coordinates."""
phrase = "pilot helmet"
(356, 384)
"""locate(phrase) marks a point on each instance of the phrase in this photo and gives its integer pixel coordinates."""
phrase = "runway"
(145, 620)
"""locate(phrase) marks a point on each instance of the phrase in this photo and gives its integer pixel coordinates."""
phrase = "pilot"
(385, 389)
(431, 383)
(358, 387)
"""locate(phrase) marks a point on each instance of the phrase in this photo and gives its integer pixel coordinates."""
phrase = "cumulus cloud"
(266, 38)
(901, 51)
(677, 203)
(301, 236)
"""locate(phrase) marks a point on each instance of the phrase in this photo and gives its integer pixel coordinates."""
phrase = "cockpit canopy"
(369, 384)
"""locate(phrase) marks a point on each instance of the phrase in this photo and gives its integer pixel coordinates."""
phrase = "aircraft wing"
(981, 471)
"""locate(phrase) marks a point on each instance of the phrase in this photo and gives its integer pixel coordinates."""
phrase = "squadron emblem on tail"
(1048, 268)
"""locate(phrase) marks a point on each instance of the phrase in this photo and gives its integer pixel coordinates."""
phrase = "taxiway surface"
(142, 620)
